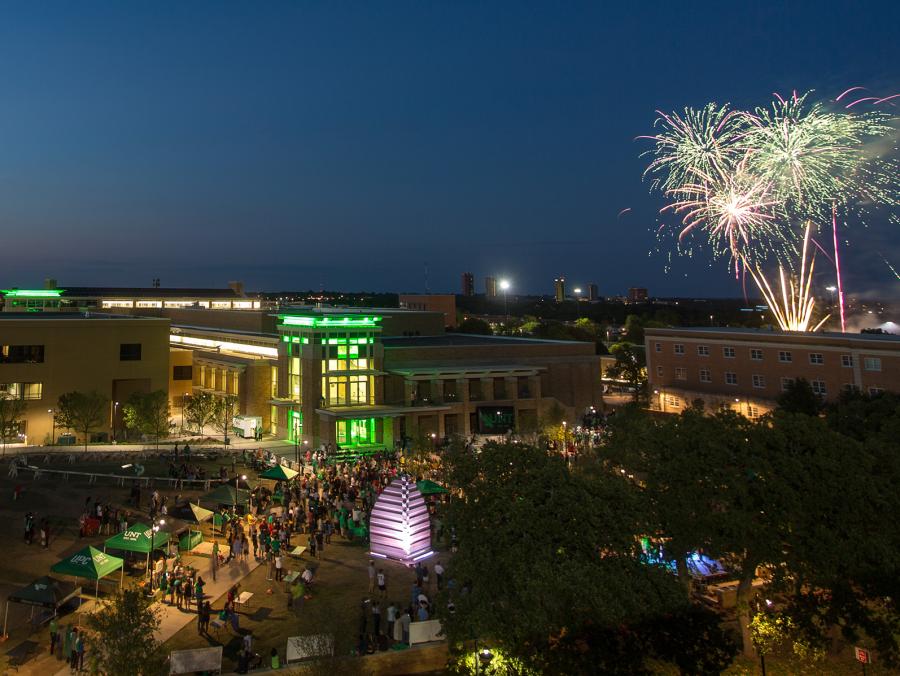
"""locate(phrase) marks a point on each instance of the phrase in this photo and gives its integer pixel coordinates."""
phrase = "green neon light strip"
(32, 293)
(316, 322)
(286, 339)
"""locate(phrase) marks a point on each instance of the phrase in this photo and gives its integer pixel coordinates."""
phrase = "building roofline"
(818, 336)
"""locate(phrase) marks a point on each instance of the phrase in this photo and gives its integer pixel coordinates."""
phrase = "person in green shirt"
(276, 659)
(54, 634)
(214, 562)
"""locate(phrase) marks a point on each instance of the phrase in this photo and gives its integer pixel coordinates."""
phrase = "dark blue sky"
(293, 145)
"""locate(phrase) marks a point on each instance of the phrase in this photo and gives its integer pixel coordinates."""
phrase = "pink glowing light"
(837, 267)
(399, 528)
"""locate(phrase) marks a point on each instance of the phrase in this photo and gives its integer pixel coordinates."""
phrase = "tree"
(630, 366)
(547, 558)
(634, 330)
(223, 418)
(121, 636)
(83, 412)
(148, 414)
(475, 326)
(11, 411)
(799, 397)
(200, 410)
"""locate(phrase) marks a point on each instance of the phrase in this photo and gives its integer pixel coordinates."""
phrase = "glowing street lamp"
(504, 287)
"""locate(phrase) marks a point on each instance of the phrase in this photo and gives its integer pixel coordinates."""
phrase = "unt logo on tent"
(134, 535)
(81, 559)
(40, 587)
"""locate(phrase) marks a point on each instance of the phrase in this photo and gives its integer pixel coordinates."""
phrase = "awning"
(191, 513)
(138, 538)
(89, 563)
(279, 473)
(45, 592)
(428, 487)
(226, 495)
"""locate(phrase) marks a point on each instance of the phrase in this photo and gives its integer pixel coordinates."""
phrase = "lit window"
(730, 378)
(872, 363)
(818, 386)
(752, 411)
(759, 381)
(680, 374)
(728, 352)
(816, 358)
(679, 348)
(658, 347)
(847, 361)
(703, 350)
(705, 376)
(673, 402)
(785, 357)
(786, 384)
(875, 391)
(756, 354)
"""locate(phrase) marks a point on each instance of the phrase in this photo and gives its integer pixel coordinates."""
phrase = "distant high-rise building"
(559, 285)
(468, 284)
(637, 295)
(490, 287)
(593, 292)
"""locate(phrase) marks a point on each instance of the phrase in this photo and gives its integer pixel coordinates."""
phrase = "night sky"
(347, 145)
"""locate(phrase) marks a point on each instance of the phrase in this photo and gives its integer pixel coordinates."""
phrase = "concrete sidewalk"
(172, 620)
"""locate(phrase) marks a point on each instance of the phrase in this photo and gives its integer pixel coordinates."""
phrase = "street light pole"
(504, 286)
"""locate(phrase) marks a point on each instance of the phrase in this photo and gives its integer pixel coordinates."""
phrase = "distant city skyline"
(348, 146)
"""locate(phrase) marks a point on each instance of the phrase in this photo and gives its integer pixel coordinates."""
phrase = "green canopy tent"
(279, 473)
(45, 592)
(92, 564)
(191, 514)
(138, 538)
(428, 487)
(226, 495)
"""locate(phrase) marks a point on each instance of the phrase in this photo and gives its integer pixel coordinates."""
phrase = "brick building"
(747, 369)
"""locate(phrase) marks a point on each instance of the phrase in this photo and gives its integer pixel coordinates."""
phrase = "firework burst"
(697, 142)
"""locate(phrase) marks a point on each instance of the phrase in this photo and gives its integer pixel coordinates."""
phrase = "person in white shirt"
(381, 579)
(439, 575)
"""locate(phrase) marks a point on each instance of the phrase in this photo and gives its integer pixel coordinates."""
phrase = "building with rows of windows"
(747, 369)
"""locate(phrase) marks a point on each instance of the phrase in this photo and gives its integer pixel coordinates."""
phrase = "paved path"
(172, 620)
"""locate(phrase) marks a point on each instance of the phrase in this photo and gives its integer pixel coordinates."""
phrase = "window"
(673, 402)
(130, 352)
(680, 374)
(703, 350)
(658, 347)
(816, 358)
(847, 361)
(659, 371)
(705, 376)
(785, 357)
(875, 391)
(21, 354)
(786, 384)
(818, 386)
(679, 348)
(756, 354)
(27, 391)
(752, 411)
(849, 387)
(759, 381)
(728, 352)
(872, 363)
(183, 372)
(730, 378)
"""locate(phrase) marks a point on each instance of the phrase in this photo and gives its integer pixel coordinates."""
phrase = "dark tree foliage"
(800, 398)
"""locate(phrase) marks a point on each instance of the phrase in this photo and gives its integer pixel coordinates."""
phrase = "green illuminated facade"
(331, 379)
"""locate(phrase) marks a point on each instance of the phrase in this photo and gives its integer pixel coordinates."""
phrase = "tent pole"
(122, 578)
(97, 590)
(5, 618)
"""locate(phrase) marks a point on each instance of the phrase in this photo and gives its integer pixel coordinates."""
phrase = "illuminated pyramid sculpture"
(399, 528)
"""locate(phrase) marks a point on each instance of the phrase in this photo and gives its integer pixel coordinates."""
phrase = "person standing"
(391, 619)
(404, 623)
(372, 574)
(214, 562)
(73, 650)
(54, 633)
(376, 618)
(381, 579)
(279, 571)
(439, 575)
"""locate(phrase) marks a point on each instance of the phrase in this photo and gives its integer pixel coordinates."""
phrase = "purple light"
(399, 528)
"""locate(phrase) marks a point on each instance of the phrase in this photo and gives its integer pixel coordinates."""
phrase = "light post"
(237, 488)
(504, 287)
(831, 290)
(115, 415)
(566, 441)
(52, 426)
(183, 406)
(577, 292)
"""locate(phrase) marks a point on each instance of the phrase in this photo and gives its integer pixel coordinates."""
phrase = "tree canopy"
(84, 412)
(148, 413)
(121, 637)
